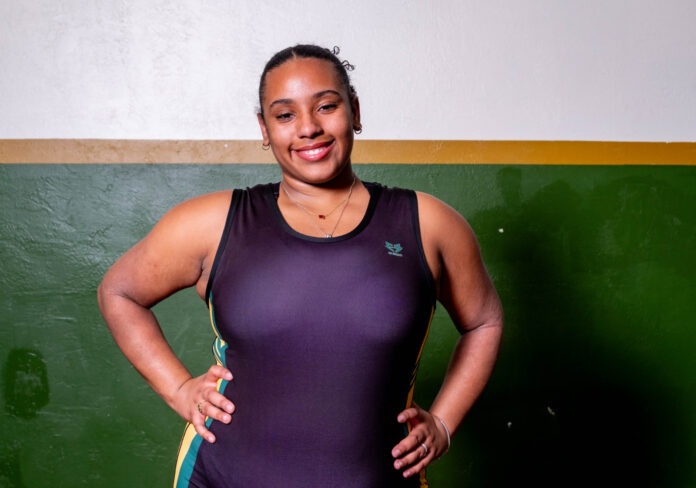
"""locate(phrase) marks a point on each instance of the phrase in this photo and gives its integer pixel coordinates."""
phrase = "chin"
(319, 172)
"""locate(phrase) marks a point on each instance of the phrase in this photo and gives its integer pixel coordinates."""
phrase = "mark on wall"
(26, 383)
(10, 472)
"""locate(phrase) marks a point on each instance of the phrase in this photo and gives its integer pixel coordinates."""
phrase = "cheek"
(343, 126)
(278, 132)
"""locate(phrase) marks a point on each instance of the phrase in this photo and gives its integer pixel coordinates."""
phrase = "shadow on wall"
(580, 397)
(26, 391)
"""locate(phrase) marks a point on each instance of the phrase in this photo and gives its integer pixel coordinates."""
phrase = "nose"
(309, 126)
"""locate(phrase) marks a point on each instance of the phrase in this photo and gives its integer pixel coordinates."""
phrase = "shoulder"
(194, 226)
(209, 202)
(197, 212)
(442, 224)
(449, 243)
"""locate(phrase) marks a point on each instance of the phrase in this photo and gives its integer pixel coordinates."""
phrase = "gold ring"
(199, 408)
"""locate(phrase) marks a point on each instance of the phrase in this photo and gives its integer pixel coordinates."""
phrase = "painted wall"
(596, 267)
(452, 69)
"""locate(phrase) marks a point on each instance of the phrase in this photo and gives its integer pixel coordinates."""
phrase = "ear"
(355, 106)
(264, 129)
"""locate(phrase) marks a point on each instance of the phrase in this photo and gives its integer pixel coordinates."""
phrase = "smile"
(314, 153)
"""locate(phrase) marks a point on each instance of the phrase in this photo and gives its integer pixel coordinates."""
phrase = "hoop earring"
(358, 129)
(265, 147)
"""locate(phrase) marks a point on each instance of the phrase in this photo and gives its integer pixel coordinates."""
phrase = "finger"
(209, 409)
(408, 414)
(414, 412)
(414, 460)
(216, 372)
(201, 429)
(408, 443)
(220, 401)
(420, 466)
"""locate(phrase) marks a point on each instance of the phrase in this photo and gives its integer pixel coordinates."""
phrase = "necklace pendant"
(341, 205)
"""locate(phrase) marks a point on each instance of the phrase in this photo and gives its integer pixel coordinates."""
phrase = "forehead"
(300, 77)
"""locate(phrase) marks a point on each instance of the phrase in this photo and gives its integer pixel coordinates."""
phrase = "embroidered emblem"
(394, 249)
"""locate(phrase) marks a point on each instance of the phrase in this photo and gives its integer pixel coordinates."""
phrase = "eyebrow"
(286, 101)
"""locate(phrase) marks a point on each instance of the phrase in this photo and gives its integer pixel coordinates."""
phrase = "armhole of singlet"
(413, 199)
(234, 203)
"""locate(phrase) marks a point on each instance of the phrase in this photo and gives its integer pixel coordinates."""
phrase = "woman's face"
(308, 119)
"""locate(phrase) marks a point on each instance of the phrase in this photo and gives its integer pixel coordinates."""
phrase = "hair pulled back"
(308, 51)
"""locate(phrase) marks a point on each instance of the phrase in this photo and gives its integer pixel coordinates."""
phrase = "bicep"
(466, 289)
(171, 257)
(464, 286)
(150, 271)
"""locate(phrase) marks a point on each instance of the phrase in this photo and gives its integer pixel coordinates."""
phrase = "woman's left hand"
(426, 442)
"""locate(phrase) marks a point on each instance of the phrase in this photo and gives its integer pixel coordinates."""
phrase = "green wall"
(596, 267)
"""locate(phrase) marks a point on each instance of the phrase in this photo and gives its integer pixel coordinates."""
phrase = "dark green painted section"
(596, 266)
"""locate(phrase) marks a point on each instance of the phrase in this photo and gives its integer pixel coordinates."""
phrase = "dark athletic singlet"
(323, 337)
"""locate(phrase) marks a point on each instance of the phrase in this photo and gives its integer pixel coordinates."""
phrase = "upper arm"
(177, 253)
(464, 286)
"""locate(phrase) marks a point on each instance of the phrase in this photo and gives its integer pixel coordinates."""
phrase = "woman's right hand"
(198, 398)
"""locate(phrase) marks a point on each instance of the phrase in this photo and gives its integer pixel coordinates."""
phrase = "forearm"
(468, 372)
(139, 336)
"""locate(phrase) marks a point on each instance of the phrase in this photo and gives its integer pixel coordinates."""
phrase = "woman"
(321, 289)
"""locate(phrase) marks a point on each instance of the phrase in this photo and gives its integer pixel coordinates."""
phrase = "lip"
(314, 152)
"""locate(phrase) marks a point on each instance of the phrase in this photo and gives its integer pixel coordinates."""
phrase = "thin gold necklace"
(320, 216)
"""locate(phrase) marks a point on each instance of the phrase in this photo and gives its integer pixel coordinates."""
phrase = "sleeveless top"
(323, 337)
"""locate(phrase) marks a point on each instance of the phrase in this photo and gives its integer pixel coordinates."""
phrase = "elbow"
(101, 296)
(104, 294)
(496, 316)
(107, 292)
(492, 324)
(499, 320)
(497, 323)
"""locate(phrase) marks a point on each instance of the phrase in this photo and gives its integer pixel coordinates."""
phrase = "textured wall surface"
(596, 267)
(452, 69)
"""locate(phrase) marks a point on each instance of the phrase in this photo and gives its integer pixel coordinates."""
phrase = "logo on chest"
(393, 249)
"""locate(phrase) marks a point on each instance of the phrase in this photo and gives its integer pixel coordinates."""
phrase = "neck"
(326, 191)
(317, 195)
(312, 209)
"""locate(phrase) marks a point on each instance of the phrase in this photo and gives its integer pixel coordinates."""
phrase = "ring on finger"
(199, 408)
(425, 449)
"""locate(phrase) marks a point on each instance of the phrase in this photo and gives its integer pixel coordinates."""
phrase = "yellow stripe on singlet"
(184, 448)
(409, 398)
(190, 441)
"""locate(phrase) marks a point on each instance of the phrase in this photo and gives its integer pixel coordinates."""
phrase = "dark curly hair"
(308, 51)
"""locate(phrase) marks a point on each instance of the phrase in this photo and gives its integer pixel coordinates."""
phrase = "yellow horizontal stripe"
(365, 152)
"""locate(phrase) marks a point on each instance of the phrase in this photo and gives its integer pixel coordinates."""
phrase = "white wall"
(455, 69)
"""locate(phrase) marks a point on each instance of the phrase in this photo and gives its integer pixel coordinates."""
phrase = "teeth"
(313, 152)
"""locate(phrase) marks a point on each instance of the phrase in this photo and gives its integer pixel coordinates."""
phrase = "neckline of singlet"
(374, 189)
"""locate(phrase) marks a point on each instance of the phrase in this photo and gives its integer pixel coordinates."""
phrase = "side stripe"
(414, 373)
(191, 441)
(219, 345)
(409, 400)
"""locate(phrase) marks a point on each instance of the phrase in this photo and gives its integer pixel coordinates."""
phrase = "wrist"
(446, 429)
(175, 390)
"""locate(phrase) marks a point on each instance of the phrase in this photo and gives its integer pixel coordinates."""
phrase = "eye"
(327, 107)
(283, 117)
